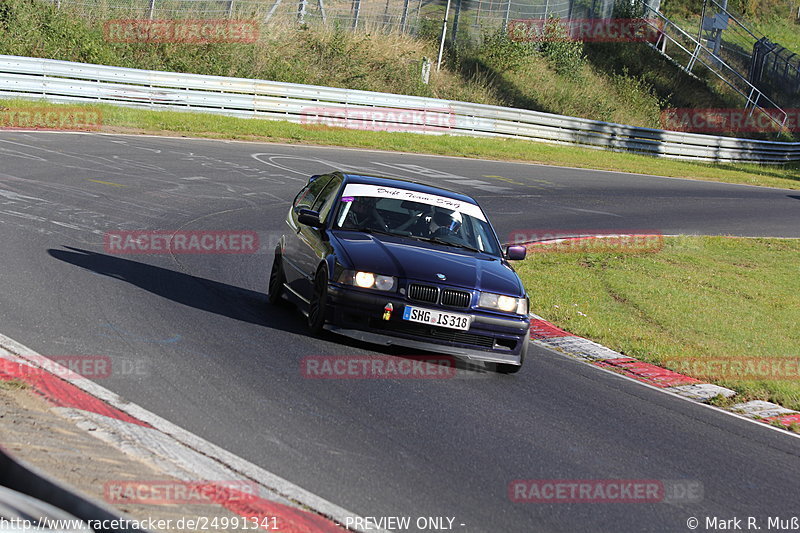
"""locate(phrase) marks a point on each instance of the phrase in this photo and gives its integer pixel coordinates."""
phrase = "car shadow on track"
(194, 291)
(222, 299)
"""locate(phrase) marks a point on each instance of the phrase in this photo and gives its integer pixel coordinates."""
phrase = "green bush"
(503, 53)
(565, 55)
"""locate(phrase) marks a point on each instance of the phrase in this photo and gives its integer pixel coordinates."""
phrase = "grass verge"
(13, 384)
(127, 120)
(708, 306)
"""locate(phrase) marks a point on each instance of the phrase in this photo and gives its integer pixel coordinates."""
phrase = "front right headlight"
(368, 280)
(501, 302)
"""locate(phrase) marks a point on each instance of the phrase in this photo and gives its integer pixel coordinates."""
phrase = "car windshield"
(421, 216)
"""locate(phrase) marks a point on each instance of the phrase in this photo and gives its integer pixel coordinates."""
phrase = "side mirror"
(309, 218)
(516, 253)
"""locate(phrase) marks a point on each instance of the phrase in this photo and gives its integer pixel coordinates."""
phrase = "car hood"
(418, 260)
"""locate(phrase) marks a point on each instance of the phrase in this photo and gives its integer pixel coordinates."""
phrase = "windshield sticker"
(347, 198)
(377, 191)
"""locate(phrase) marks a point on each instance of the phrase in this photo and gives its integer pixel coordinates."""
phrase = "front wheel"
(276, 280)
(505, 368)
(318, 303)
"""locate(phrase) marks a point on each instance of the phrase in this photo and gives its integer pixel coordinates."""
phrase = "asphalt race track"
(194, 340)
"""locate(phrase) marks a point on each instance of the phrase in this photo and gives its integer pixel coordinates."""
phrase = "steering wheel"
(379, 219)
(443, 231)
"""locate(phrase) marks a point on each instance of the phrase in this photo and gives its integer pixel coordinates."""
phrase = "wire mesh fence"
(772, 68)
(467, 19)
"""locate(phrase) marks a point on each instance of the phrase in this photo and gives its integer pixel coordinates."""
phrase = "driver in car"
(362, 214)
(443, 223)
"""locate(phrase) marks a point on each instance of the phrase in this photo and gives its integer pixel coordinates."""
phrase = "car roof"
(407, 184)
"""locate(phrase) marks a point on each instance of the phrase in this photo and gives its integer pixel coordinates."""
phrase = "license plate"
(436, 318)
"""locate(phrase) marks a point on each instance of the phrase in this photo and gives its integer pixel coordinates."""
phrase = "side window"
(325, 200)
(310, 192)
(300, 196)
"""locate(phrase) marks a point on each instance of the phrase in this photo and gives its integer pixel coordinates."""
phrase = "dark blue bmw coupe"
(391, 261)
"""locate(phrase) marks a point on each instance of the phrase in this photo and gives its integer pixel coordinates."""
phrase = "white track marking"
(177, 449)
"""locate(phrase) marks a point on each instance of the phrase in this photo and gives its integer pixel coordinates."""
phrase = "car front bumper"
(490, 338)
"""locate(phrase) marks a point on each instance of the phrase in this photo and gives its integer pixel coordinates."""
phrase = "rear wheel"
(276, 280)
(318, 303)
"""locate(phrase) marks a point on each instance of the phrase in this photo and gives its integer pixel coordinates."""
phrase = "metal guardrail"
(67, 82)
(26, 493)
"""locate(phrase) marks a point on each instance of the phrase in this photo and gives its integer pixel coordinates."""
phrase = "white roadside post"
(444, 32)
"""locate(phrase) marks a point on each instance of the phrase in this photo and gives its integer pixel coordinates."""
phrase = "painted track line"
(557, 340)
(138, 432)
(561, 341)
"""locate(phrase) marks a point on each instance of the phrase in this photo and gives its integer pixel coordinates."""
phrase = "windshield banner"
(378, 191)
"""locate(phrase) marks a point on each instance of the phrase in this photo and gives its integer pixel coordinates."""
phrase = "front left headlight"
(501, 302)
(368, 280)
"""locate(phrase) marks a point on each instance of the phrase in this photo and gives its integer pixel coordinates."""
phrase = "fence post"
(356, 8)
(444, 33)
(272, 11)
(508, 14)
(455, 21)
(386, 18)
(301, 11)
(230, 8)
(404, 17)
(152, 8)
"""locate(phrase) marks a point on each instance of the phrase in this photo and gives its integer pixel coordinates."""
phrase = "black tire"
(276, 281)
(318, 304)
(505, 368)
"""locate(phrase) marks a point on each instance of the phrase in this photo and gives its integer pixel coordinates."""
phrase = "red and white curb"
(173, 450)
(545, 334)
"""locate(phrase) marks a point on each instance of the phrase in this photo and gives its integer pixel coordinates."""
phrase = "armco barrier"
(27, 493)
(67, 82)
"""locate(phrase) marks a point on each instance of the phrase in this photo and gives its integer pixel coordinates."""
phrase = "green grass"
(698, 299)
(13, 384)
(553, 77)
(128, 120)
